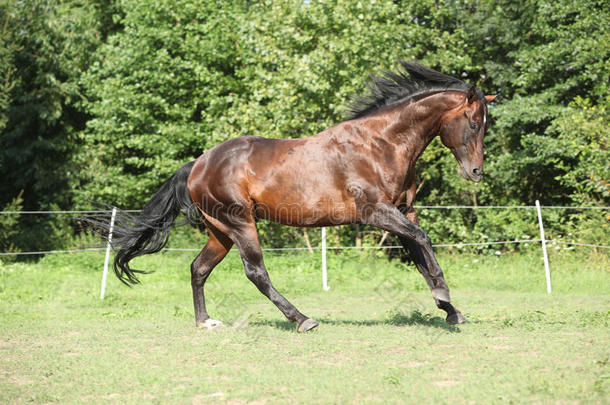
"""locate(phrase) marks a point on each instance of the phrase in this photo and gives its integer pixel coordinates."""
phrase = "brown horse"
(358, 171)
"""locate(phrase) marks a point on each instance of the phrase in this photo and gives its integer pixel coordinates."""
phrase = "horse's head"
(462, 130)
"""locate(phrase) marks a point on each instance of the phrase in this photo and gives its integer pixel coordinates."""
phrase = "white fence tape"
(458, 245)
(324, 248)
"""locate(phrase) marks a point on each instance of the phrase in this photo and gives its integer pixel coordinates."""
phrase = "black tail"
(149, 232)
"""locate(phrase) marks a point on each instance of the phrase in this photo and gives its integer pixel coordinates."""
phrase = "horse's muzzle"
(475, 174)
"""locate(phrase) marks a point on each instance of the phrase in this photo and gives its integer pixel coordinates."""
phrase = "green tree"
(182, 77)
(8, 47)
(549, 60)
(82, 122)
(549, 55)
(46, 45)
(155, 93)
(44, 48)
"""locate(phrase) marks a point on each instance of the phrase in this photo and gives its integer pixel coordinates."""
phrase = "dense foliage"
(103, 100)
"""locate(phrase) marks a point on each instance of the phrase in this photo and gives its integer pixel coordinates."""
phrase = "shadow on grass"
(399, 318)
(396, 318)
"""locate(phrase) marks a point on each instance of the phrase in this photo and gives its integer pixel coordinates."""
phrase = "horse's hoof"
(210, 324)
(455, 319)
(307, 324)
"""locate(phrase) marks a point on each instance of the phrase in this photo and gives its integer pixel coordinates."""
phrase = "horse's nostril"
(476, 171)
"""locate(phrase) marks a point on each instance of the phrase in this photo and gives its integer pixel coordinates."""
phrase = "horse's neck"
(413, 125)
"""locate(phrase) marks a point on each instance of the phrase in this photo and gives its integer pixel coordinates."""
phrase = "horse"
(361, 170)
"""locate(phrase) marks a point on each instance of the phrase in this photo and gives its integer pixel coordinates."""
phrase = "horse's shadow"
(415, 318)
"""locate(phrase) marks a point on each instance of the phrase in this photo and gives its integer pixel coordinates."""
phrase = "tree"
(544, 56)
(103, 101)
(45, 46)
(155, 93)
(182, 77)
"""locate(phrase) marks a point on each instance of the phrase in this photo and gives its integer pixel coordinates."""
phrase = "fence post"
(324, 274)
(105, 275)
(546, 258)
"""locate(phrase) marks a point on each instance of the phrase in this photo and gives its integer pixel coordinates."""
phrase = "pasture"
(380, 339)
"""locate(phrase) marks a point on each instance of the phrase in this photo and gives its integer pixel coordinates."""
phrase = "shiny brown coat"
(359, 171)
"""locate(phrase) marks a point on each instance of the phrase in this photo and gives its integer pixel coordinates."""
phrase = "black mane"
(410, 80)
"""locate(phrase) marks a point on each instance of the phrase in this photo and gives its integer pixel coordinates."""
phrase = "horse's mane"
(409, 81)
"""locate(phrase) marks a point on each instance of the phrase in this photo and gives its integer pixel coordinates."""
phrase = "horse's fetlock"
(441, 295)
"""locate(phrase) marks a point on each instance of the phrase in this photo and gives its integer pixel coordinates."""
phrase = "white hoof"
(210, 324)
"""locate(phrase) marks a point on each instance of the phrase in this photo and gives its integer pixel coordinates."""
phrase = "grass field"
(380, 339)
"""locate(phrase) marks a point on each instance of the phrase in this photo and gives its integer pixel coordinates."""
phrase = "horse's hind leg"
(215, 250)
(252, 256)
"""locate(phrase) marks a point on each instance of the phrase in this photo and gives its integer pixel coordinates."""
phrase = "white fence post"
(324, 274)
(105, 275)
(546, 258)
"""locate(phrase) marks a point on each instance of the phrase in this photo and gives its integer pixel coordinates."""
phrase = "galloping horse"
(359, 171)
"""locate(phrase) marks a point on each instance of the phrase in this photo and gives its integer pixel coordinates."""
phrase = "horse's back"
(288, 181)
(239, 165)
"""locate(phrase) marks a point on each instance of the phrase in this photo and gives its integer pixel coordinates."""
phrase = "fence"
(323, 248)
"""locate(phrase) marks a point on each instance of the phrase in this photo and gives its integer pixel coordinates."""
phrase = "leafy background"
(104, 100)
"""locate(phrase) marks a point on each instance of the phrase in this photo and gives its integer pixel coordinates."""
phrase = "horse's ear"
(490, 98)
(472, 94)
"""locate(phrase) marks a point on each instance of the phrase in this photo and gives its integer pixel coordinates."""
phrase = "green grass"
(380, 339)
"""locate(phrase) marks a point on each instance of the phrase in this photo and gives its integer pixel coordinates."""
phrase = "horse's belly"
(298, 215)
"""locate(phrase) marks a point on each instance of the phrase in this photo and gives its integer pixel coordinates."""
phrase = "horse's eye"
(474, 125)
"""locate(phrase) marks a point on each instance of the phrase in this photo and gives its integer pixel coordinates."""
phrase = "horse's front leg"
(436, 282)
(414, 239)
(453, 316)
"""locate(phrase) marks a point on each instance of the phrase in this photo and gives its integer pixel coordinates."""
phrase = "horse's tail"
(134, 236)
